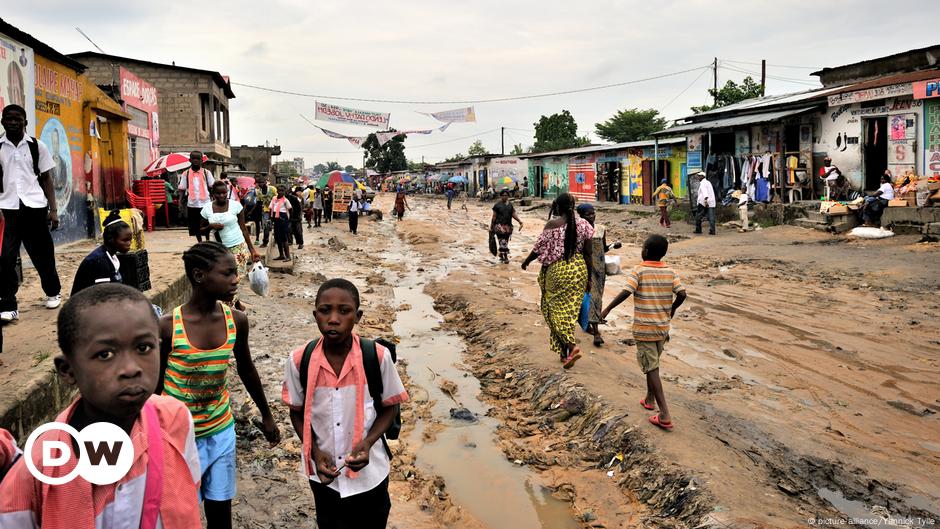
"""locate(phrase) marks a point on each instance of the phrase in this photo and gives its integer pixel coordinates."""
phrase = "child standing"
(115, 363)
(654, 285)
(333, 412)
(194, 366)
(280, 212)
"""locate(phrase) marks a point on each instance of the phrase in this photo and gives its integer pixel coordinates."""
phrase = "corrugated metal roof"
(736, 121)
(766, 101)
(602, 148)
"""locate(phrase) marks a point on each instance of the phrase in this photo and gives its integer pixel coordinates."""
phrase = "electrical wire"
(468, 101)
(775, 77)
(684, 90)
(775, 65)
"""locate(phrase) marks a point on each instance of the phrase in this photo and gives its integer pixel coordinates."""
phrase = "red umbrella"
(176, 161)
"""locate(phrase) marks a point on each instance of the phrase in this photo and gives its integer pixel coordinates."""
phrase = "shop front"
(140, 102)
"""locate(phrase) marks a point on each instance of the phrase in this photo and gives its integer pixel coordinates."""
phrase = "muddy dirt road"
(802, 375)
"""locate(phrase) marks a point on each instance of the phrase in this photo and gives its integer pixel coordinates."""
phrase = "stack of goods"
(135, 269)
(911, 190)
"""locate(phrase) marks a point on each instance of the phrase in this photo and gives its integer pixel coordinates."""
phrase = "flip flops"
(645, 405)
(664, 425)
(571, 359)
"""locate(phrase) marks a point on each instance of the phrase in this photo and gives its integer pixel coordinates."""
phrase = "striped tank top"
(197, 376)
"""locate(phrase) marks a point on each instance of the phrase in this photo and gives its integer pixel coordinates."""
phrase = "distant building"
(193, 103)
(257, 159)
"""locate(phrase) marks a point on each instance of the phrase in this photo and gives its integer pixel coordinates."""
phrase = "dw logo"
(105, 453)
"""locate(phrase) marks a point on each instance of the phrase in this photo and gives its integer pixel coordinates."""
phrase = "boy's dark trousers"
(26, 226)
(297, 229)
(317, 217)
(367, 510)
(353, 221)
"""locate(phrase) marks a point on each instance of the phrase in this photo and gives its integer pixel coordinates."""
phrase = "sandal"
(645, 405)
(572, 358)
(664, 425)
(598, 341)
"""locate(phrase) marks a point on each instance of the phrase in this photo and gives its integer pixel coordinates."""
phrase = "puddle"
(854, 510)
(479, 478)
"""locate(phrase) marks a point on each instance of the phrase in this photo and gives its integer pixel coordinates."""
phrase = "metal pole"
(502, 140)
(655, 162)
(763, 76)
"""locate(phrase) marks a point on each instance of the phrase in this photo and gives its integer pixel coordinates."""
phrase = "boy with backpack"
(344, 394)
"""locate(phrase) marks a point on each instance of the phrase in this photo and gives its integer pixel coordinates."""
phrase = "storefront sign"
(932, 138)
(694, 156)
(902, 132)
(926, 89)
(894, 90)
(366, 118)
(140, 100)
(17, 77)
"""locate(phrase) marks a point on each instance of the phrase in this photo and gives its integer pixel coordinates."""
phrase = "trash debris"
(463, 414)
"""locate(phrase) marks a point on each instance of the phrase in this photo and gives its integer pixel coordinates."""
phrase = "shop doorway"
(875, 151)
(650, 182)
(609, 187)
(539, 181)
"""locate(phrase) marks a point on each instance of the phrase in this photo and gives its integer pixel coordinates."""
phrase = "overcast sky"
(433, 51)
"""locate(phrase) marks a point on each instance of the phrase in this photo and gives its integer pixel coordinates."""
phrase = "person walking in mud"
(401, 202)
(563, 249)
(597, 269)
(501, 223)
(658, 294)
(705, 204)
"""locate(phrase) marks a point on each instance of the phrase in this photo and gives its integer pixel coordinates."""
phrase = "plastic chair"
(145, 205)
(155, 191)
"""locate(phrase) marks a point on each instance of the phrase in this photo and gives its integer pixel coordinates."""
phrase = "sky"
(445, 51)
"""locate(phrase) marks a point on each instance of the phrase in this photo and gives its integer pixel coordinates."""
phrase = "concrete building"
(193, 103)
(256, 159)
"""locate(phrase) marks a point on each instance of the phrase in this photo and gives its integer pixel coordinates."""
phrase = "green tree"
(517, 149)
(631, 125)
(455, 158)
(349, 169)
(731, 93)
(333, 166)
(558, 131)
(477, 149)
(388, 157)
(319, 168)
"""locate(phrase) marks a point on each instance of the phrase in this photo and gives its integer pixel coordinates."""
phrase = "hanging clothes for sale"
(765, 176)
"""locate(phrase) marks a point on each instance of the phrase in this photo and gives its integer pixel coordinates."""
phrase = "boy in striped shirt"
(658, 293)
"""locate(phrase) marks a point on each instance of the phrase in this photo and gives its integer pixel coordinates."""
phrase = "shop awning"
(736, 121)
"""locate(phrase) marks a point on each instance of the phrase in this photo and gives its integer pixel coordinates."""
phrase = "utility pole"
(715, 82)
(502, 140)
(763, 76)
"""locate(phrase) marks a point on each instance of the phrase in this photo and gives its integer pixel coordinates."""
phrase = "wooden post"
(763, 77)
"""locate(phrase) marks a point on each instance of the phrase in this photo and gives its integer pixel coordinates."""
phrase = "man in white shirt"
(876, 202)
(27, 202)
(195, 182)
(705, 204)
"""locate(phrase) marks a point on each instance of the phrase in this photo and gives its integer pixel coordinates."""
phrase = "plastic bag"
(870, 233)
(584, 314)
(612, 264)
(258, 279)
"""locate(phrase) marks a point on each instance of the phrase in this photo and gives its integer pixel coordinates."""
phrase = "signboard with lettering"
(881, 92)
(17, 75)
(926, 89)
(902, 134)
(932, 138)
(140, 101)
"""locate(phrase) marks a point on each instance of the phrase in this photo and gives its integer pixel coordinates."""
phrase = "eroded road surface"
(802, 375)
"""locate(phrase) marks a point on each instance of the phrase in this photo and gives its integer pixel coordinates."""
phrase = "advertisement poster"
(59, 93)
(365, 118)
(140, 101)
(932, 138)
(17, 76)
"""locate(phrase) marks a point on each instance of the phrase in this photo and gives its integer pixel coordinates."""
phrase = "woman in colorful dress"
(226, 218)
(564, 250)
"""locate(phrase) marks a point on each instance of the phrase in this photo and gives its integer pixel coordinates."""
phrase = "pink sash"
(154, 487)
(203, 192)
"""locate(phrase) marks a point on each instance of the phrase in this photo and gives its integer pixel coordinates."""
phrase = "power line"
(467, 101)
(775, 77)
(776, 65)
(686, 89)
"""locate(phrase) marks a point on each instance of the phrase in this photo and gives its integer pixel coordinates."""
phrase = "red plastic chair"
(156, 192)
(144, 204)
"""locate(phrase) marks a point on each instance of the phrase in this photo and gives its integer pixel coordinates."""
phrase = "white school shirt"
(192, 199)
(887, 191)
(19, 181)
(333, 412)
(706, 194)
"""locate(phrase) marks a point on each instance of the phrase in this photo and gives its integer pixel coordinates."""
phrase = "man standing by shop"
(27, 200)
(195, 182)
(705, 204)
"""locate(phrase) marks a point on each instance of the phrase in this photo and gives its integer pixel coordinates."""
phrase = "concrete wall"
(257, 159)
(507, 166)
(181, 126)
(842, 136)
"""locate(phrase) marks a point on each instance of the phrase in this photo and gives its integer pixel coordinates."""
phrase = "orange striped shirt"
(653, 285)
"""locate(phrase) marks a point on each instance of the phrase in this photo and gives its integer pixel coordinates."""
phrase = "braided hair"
(564, 206)
(113, 226)
(203, 255)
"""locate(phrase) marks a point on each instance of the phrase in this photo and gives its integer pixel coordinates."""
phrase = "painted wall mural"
(17, 72)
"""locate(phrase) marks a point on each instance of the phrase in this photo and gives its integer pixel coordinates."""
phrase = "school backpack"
(33, 151)
(370, 362)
